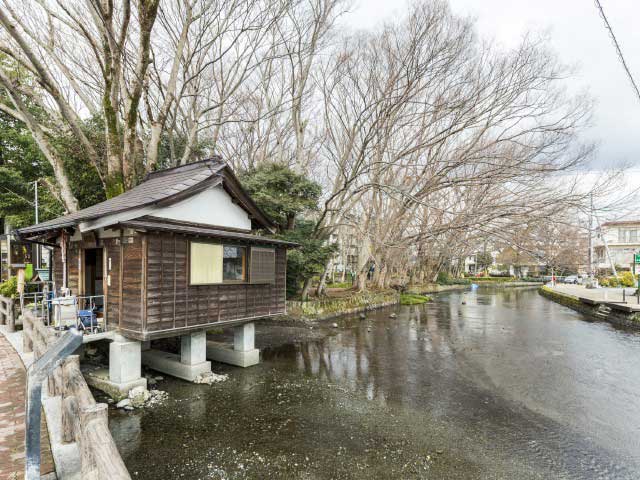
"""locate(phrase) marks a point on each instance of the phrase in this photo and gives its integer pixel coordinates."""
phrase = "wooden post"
(70, 420)
(74, 383)
(7, 313)
(11, 318)
(51, 385)
(91, 418)
(103, 461)
(55, 382)
(27, 333)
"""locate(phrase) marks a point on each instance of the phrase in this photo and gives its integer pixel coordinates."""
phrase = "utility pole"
(591, 273)
(35, 187)
(606, 247)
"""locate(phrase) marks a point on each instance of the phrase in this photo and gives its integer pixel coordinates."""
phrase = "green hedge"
(625, 279)
(9, 288)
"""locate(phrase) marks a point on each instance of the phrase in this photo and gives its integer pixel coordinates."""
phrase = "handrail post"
(37, 372)
(27, 333)
(11, 316)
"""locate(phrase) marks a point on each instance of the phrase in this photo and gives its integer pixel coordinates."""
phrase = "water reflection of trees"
(386, 358)
(417, 357)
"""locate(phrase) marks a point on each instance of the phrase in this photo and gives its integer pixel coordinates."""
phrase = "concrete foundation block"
(124, 360)
(171, 364)
(100, 380)
(244, 337)
(223, 353)
(193, 348)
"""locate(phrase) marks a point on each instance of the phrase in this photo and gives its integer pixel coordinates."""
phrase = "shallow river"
(491, 385)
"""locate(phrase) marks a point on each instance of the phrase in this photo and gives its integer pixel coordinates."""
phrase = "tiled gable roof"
(158, 187)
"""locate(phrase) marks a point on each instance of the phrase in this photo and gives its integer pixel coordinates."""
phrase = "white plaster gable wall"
(212, 206)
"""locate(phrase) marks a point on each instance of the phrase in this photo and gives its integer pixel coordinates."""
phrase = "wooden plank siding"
(132, 278)
(173, 303)
(73, 267)
(148, 294)
(57, 267)
(112, 250)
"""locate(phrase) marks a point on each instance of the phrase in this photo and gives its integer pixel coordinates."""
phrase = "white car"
(571, 279)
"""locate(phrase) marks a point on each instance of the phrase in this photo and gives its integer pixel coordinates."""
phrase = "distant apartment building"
(471, 266)
(480, 262)
(346, 257)
(352, 252)
(520, 264)
(623, 240)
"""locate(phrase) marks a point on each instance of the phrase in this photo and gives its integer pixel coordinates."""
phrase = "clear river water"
(493, 384)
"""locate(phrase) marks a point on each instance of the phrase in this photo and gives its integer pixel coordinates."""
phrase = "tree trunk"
(305, 289)
(322, 286)
(381, 277)
(68, 199)
(361, 280)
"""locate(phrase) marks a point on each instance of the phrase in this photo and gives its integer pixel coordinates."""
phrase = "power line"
(618, 49)
(25, 199)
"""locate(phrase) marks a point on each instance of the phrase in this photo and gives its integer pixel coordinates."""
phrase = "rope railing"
(84, 421)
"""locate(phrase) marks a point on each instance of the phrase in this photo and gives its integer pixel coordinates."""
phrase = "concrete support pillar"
(244, 337)
(190, 364)
(193, 348)
(125, 371)
(124, 360)
(243, 354)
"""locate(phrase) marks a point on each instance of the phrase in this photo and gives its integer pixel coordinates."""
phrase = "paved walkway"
(12, 417)
(601, 294)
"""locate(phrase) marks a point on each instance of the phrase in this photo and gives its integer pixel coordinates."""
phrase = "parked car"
(573, 279)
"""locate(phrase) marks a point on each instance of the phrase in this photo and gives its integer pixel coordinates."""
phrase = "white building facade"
(623, 241)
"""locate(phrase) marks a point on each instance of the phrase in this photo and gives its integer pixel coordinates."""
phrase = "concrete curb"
(615, 317)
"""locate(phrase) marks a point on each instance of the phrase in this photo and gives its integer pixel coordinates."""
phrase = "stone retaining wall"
(334, 307)
(435, 288)
(615, 317)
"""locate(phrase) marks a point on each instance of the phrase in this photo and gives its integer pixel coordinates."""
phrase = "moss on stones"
(414, 299)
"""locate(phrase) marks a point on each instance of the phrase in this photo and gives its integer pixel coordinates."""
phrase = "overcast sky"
(577, 34)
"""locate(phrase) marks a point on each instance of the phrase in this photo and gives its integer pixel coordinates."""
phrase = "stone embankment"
(436, 288)
(326, 308)
(617, 313)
